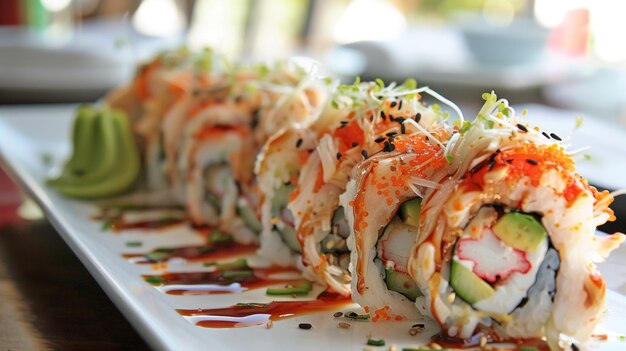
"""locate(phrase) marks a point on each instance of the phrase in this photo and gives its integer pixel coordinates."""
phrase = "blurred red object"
(571, 38)
(10, 13)
(10, 200)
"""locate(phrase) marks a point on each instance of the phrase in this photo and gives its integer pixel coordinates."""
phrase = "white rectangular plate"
(27, 134)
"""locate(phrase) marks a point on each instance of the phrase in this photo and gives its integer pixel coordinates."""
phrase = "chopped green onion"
(236, 274)
(450, 158)
(240, 263)
(373, 342)
(354, 315)
(218, 237)
(107, 225)
(252, 304)
(528, 348)
(159, 255)
(155, 279)
(134, 243)
(300, 287)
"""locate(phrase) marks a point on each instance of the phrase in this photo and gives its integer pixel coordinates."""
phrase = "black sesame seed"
(403, 129)
(400, 105)
(338, 314)
(391, 147)
(400, 120)
(352, 314)
(532, 162)
(364, 153)
(379, 139)
(393, 104)
(305, 326)
(418, 325)
(555, 137)
(338, 155)
(387, 148)
(418, 116)
(391, 134)
(355, 144)
(492, 160)
(344, 122)
(299, 143)
(575, 348)
(545, 135)
(382, 115)
(522, 128)
(392, 118)
(509, 160)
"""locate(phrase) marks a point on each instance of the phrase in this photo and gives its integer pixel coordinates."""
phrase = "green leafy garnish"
(579, 121)
(134, 243)
(450, 158)
(380, 83)
(465, 127)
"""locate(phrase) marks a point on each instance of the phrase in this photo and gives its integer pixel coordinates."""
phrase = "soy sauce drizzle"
(251, 314)
(223, 281)
(203, 253)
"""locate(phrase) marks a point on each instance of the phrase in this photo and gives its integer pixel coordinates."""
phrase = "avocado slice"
(402, 283)
(467, 285)
(410, 211)
(520, 231)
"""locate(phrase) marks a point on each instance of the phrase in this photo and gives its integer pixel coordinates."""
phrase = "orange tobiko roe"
(532, 161)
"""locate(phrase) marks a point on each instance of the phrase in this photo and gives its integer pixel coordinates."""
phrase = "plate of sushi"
(264, 206)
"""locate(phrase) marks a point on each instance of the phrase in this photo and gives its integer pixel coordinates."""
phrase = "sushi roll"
(373, 116)
(220, 142)
(277, 171)
(157, 86)
(382, 205)
(507, 246)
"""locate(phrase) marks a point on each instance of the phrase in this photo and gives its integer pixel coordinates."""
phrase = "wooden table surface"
(48, 300)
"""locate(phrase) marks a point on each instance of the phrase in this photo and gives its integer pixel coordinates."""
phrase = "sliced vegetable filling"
(394, 248)
(498, 258)
(221, 187)
(282, 218)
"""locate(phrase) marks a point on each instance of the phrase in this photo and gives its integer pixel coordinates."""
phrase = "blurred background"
(565, 54)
